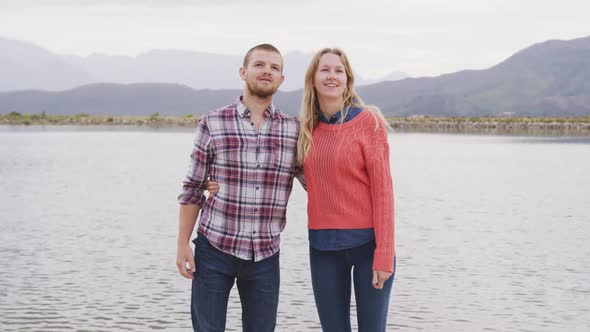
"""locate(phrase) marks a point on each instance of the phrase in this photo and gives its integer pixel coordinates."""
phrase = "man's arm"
(299, 175)
(188, 217)
(213, 187)
(192, 198)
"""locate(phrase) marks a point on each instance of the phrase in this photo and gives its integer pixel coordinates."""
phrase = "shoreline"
(534, 126)
(505, 125)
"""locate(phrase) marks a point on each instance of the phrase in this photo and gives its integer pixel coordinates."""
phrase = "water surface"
(491, 233)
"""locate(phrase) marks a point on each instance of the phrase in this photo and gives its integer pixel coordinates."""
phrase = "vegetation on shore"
(83, 119)
(564, 125)
(412, 123)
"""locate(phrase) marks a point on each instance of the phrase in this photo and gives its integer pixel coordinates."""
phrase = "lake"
(491, 233)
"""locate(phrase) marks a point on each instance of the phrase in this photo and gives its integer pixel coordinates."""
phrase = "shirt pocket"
(285, 155)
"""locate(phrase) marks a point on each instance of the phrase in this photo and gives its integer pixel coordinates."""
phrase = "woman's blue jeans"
(331, 278)
(216, 271)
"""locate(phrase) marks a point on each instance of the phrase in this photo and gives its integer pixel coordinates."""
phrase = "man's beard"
(260, 92)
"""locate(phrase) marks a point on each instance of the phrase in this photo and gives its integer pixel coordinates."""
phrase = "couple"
(339, 152)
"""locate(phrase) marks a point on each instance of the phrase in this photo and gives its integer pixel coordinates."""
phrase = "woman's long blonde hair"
(310, 108)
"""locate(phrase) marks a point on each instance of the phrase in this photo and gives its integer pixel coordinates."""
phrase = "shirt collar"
(332, 119)
(245, 112)
(335, 118)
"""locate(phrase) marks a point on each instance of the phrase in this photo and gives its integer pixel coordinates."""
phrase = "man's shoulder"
(214, 119)
(286, 117)
(222, 112)
(289, 123)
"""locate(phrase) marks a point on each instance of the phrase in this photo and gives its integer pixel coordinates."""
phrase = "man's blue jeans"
(258, 286)
(331, 280)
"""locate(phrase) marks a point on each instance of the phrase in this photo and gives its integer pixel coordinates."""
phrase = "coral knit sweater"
(349, 182)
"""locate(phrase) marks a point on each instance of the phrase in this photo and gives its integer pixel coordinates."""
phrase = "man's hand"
(184, 256)
(379, 278)
(212, 187)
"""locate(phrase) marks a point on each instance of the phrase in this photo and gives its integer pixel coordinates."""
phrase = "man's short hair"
(261, 47)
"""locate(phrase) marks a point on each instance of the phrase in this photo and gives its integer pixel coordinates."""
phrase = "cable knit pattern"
(349, 182)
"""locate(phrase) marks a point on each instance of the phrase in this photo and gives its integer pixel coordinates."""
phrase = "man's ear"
(243, 73)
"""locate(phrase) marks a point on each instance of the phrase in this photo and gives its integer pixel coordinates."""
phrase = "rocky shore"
(556, 126)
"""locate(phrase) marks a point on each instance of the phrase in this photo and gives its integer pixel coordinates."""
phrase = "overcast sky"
(418, 37)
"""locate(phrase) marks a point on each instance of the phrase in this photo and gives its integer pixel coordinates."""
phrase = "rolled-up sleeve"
(300, 176)
(193, 187)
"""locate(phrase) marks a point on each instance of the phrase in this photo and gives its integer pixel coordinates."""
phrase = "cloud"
(119, 3)
(422, 37)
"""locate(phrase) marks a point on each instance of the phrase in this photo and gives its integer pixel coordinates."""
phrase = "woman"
(344, 151)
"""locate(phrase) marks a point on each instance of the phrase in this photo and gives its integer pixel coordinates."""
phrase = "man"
(249, 148)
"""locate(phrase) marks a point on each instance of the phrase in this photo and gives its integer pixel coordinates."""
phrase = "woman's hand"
(379, 278)
(212, 187)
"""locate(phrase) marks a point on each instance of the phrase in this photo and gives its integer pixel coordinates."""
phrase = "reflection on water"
(491, 234)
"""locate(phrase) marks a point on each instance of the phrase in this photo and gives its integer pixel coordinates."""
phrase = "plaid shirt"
(255, 173)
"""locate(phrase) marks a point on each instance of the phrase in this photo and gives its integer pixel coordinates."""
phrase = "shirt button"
(257, 188)
(258, 165)
(254, 232)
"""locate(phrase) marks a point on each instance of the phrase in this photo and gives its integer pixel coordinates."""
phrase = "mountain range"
(551, 78)
(25, 66)
(546, 79)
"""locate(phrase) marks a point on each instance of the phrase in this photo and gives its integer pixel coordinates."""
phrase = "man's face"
(263, 73)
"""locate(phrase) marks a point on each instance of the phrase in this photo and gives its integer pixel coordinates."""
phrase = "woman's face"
(330, 78)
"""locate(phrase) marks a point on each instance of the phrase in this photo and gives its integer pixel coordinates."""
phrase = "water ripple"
(486, 240)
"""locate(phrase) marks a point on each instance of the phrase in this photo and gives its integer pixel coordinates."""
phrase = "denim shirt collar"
(353, 111)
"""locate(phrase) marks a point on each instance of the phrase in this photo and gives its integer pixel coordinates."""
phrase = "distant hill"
(131, 99)
(546, 79)
(117, 99)
(550, 78)
(195, 69)
(27, 66)
(24, 66)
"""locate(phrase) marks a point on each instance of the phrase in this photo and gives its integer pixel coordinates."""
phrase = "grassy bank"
(82, 119)
(542, 125)
(413, 123)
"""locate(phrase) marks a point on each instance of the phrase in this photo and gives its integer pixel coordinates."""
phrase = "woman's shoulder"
(373, 120)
